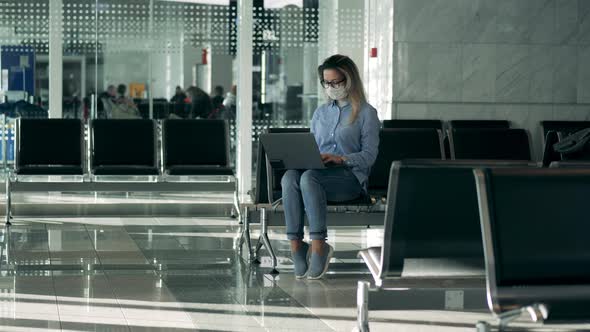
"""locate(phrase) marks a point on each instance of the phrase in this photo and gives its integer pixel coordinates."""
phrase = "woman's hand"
(332, 158)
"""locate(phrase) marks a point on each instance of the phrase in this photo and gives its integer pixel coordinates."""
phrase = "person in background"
(200, 103)
(179, 96)
(217, 99)
(122, 97)
(230, 97)
(106, 103)
(123, 107)
(346, 130)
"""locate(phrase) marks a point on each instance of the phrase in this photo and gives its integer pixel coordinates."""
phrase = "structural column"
(55, 58)
(244, 98)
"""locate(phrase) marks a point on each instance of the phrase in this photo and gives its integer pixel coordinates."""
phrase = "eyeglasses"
(333, 84)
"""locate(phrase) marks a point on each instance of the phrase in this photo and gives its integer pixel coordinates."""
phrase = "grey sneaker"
(319, 263)
(300, 260)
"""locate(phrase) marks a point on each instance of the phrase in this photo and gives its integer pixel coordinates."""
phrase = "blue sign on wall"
(20, 63)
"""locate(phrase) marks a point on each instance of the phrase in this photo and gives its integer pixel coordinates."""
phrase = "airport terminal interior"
(158, 158)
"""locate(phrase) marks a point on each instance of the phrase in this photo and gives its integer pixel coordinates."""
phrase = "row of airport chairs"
(553, 131)
(132, 155)
(402, 143)
(519, 227)
(122, 147)
(432, 224)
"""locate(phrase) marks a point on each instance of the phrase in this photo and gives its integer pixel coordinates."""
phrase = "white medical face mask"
(337, 93)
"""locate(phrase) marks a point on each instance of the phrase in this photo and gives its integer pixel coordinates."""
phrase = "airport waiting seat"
(196, 147)
(472, 124)
(534, 225)
(490, 144)
(49, 147)
(395, 144)
(266, 192)
(400, 144)
(124, 147)
(431, 226)
(412, 124)
(432, 215)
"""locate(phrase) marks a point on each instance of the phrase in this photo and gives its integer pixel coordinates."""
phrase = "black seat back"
(123, 143)
(490, 144)
(262, 177)
(49, 142)
(400, 144)
(411, 123)
(432, 212)
(472, 124)
(549, 153)
(479, 124)
(535, 228)
(195, 143)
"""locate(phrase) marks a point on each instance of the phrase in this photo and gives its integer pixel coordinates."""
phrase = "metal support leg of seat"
(263, 240)
(236, 205)
(362, 303)
(538, 313)
(245, 235)
(236, 208)
(8, 201)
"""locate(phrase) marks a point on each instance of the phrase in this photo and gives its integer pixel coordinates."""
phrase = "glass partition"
(79, 58)
(24, 44)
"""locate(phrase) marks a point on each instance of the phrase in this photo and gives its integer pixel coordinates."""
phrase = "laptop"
(292, 151)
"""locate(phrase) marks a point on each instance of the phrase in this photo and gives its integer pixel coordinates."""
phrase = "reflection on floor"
(175, 274)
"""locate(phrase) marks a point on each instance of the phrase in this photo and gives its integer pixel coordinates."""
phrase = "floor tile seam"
(291, 297)
(215, 280)
(163, 284)
(108, 279)
(53, 280)
(303, 305)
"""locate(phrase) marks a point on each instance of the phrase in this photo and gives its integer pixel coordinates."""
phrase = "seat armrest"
(372, 257)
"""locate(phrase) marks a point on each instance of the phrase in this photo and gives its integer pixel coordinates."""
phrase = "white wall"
(379, 70)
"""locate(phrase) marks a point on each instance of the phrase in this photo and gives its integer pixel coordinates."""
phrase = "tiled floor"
(182, 274)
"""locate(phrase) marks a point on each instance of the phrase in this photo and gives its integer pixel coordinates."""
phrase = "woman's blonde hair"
(354, 84)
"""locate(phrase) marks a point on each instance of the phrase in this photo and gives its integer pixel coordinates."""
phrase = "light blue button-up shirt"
(358, 142)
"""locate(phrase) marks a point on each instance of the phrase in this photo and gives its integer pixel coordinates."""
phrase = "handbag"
(573, 143)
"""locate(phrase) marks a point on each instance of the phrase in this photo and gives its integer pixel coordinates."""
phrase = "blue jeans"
(310, 191)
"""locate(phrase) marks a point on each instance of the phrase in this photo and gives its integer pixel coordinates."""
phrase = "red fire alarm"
(204, 56)
(373, 52)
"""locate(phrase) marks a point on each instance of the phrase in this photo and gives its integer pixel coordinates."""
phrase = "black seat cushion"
(49, 170)
(125, 170)
(51, 145)
(195, 142)
(123, 143)
(199, 170)
(490, 144)
(361, 200)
